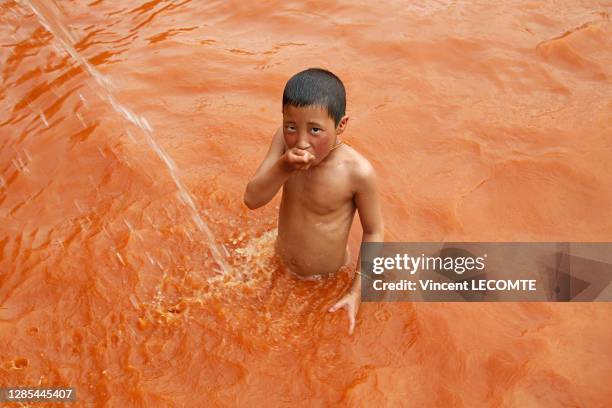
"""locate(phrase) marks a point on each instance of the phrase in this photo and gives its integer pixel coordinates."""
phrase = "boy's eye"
(290, 128)
(316, 129)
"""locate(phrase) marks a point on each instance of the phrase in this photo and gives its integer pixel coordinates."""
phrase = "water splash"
(106, 92)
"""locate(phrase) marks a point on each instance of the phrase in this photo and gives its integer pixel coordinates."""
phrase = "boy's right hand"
(297, 159)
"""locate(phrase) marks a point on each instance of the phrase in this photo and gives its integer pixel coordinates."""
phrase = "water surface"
(123, 123)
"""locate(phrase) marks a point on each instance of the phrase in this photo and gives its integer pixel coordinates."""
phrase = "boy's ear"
(342, 124)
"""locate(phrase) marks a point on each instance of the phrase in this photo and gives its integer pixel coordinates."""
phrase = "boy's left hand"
(350, 302)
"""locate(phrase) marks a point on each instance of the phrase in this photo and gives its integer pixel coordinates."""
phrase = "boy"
(324, 181)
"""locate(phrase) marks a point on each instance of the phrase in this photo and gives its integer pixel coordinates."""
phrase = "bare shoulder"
(361, 170)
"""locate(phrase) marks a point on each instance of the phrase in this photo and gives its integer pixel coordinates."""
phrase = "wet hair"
(316, 87)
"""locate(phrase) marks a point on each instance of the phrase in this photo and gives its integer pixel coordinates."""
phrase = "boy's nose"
(303, 142)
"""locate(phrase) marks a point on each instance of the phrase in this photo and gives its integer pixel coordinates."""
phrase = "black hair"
(316, 87)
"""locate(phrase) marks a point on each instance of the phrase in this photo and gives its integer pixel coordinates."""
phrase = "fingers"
(300, 159)
(349, 311)
(337, 306)
(307, 158)
(300, 162)
(300, 155)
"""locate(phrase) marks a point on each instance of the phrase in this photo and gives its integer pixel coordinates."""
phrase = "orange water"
(485, 122)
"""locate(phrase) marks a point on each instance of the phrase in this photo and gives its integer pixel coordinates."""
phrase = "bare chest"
(320, 193)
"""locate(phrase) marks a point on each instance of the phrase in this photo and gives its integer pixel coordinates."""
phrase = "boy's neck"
(336, 145)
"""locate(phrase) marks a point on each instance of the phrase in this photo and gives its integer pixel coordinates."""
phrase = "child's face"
(311, 128)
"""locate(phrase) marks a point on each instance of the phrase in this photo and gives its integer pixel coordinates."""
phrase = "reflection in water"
(485, 122)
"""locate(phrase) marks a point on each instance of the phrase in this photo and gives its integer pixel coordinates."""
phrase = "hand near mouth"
(298, 159)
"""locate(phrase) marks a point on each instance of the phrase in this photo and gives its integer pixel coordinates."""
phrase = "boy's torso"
(316, 214)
